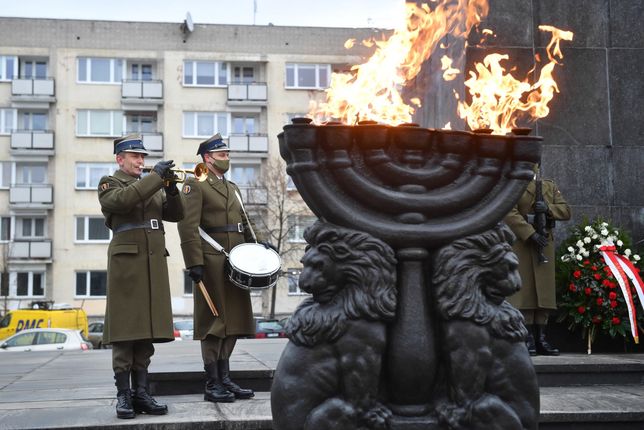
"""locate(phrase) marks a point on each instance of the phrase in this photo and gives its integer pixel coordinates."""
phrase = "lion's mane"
(368, 267)
(461, 270)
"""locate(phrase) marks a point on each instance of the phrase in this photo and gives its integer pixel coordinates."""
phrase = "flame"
(498, 99)
(449, 73)
(372, 90)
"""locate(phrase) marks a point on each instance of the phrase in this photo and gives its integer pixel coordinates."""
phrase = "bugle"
(200, 172)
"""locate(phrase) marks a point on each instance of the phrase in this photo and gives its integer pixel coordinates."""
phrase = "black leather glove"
(268, 245)
(540, 207)
(195, 273)
(539, 240)
(162, 168)
(171, 189)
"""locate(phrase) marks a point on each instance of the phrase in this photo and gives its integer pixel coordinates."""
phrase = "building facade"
(69, 87)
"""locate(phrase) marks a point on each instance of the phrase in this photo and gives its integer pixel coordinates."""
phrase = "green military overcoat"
(537, 279)
(212, 203)
(138, 290)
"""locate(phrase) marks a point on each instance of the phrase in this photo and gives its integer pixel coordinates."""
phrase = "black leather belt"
(228, 228)
(152, 224)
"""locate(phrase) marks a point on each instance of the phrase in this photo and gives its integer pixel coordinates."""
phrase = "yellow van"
(21, 319)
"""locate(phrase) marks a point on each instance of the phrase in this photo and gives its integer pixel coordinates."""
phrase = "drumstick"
(211, 305)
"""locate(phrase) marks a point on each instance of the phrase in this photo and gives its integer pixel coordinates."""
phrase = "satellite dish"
(188, 26)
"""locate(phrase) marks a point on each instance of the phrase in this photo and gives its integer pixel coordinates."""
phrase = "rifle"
(540, 218)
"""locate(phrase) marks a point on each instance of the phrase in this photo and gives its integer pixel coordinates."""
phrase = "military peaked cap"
(130, 143)
(213, 144)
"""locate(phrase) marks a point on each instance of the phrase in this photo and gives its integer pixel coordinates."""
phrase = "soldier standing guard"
(215, 206)
(537, 296)
(138, 293)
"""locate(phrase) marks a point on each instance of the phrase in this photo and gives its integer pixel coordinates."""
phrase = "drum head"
(254, 258)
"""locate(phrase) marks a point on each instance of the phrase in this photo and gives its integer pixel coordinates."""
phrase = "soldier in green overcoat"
(215, 205)
(536, 298)
(139, 308)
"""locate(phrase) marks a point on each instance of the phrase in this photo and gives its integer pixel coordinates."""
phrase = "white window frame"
(257, 166)
(217, 66)
(10, 227)
(34, 66)
(19, 227)
(13, 283)
(85, 169)
(5, 166)
(294, 273)
(85, 220)
(193, 116)
(88, 285)
(6, 126)
(28, 116)
(140, 65)
(114, 79)
(7, 75)
(117, 119)
(297, 225)
(318, 85)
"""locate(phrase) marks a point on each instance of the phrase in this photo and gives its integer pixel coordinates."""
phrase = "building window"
(243, 75)
(30, 227)
(92, 229)
(8, 67)
(5, 174)
(33, 69)
(293, 277)
(244, 124)
(205, 74)
(99, 123)
(244, 175)
(33, 121)
(290, 185)
(187, 284)
(28, 284)
(310, 76)
(141, 123)
(205, 124)
(8, 120)
(5, 228)
(88, 175)
(297, 224)
(100, 70)
(91, 284)
(140, 72)
(31, 173)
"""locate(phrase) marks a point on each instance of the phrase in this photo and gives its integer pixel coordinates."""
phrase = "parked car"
(184, 330)
(46, 339)
(95, 335)
(268, 329)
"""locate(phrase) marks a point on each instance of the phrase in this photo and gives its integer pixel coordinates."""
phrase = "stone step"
(569, 408)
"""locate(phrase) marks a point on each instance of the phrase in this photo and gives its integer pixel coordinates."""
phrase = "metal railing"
(256, 142)
(256, 91)
(25, 249)
(32, 139)
(131, 89)
(32, 87)
(21, 194)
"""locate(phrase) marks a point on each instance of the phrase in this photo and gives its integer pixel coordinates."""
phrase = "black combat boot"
(142, 401)
(543, 347)
(529, 342)
(124, 407)
(215, 390)
(224, 374)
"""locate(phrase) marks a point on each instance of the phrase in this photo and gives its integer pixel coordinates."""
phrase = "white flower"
(604, 224)
(627, 252)
(565, 258)
(604, 232)
(585, 253)
(586, 240)
(588, 228)
(571, 249)
(595, 236)
(636, 257)
(579, 257)
(580, 244)
(616, 232)
(620, 243)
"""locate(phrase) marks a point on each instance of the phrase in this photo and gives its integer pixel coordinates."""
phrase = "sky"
(308, 13)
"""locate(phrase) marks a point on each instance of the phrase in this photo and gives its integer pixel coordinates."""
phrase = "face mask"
(221, 165)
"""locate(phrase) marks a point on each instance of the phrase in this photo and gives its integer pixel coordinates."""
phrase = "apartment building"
(69, 87)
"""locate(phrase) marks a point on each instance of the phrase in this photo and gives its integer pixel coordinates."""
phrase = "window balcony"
(32, 93)
(36, 196)
(153, 142)
(34, 249)
(248, 142)
(141, 95)
(254, 195)
(32, 142)
(255, 94)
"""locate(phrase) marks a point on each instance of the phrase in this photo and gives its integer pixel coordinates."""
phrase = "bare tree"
(4, 276)
(283, 202)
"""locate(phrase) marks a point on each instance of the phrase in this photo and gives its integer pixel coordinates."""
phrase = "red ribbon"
(623, 270)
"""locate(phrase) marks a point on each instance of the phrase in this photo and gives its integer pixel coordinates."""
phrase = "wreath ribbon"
(623, 270)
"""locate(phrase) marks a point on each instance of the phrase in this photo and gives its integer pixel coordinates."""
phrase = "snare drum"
(252, 266)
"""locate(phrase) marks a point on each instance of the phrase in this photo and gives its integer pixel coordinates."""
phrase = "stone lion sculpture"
(490, 380)
(329, 373)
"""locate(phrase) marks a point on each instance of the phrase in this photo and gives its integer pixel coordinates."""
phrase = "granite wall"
(594, 134)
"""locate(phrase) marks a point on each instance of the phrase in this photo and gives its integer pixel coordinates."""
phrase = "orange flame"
(372, 90)
(498, 99)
